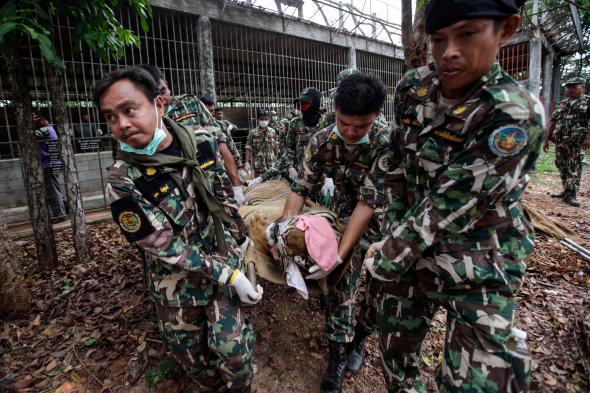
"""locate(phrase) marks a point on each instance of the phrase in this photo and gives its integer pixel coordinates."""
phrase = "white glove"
(292, 173)
(244, 288)
(244, 245)
(242, 174)
(328, 187)
(239, 194)
(247, 167)
(319, 274)
(255, 182)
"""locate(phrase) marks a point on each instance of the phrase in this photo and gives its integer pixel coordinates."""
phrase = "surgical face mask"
(364, 138)
(149, 150)
(275, 118)
(262, 123)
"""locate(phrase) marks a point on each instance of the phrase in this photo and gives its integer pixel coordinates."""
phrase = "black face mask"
(311, 114)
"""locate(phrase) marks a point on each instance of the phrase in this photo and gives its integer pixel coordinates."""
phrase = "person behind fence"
(162, 203)
(347, 152)
(302, 126)
(261, 145)
(46, 134)
(467, 137)
(568, 129)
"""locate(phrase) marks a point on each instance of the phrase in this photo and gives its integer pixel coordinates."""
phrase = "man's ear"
(160, 105)
(509, 26)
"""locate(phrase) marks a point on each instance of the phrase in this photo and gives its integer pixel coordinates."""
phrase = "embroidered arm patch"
(131, 218)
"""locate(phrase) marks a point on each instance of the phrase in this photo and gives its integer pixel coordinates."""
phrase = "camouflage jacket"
(158, 210)
(264, 147)
(360, 172)
(296, 138)
(572, 120)
(189, 111)
(464, 169)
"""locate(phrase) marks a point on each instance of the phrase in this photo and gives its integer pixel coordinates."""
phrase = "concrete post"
(548, 81)
(535, 65)
(207, 75)
(351, 57)
(557, 80)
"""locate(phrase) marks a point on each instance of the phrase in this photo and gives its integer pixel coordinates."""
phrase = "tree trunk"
(32, 171)
(15, 298)
(414, 37)
(72, 185)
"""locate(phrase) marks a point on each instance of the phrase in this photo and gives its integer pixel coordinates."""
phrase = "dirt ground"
(92, 328)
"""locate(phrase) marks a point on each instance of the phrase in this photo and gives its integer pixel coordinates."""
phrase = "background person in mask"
(261, 145)
(348, 152)
(162, 203)
(298, 133)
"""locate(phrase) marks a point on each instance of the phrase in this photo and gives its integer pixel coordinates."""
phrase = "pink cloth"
(320, 240)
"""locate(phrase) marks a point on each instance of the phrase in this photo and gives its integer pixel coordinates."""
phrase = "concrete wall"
(92, 173)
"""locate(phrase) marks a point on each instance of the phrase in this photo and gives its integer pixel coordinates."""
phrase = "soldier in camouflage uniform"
(467, 136)
(162, 202)
(347, 152)
(261, 145)
(300, 130)
(568, 128)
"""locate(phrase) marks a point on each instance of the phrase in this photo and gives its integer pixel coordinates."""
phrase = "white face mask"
(262, 123)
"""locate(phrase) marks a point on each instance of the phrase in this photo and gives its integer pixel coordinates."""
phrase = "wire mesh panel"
(256, 68)
(514, 59)
(171, 44)
(390, 71)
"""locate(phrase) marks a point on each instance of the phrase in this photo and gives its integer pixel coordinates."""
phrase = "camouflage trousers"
(568, 160)
(478, 291)
(214, 344)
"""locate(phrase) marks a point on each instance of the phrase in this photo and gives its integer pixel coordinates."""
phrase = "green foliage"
(94, 23)
(165, 369)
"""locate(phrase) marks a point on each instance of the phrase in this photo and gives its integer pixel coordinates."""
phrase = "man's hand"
(247, 167)
(586, 143)
(242, 174)
(255, 182)
(292, 173)
(546, 146)
(318, 274)
(239, 194)
(328, 187)
(244, 288)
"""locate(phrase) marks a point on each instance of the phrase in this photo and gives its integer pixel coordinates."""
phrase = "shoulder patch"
(131, 218)
(508, 140)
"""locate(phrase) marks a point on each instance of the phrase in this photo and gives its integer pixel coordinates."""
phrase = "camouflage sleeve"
(289, 150)
(249, 140)
(384, 189)
(232, 145)
(285, 158)
(158, 238)
(462, 193)
(557, 113)
(311, 170)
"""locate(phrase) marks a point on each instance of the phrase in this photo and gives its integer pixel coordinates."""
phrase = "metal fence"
(514, 59)
(253, 68)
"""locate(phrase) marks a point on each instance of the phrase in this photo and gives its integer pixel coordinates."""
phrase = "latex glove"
(247, 293)
(245, 244)
(292, 173)
(318, 274)
(247, 167)
(242, 174)
(255, 182)
(328, 187)
(239, 194)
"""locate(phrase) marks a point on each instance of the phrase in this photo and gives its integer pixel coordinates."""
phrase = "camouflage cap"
(575, 81)
(347, 72)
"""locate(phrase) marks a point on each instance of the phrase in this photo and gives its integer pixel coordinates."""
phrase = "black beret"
(443, 13)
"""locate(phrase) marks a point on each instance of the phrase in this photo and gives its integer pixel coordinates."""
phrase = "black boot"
(570, 199)
(356, 349)
(332, 382)
(560, 195)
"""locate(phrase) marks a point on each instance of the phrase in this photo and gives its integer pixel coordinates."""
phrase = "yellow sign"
(150, 171)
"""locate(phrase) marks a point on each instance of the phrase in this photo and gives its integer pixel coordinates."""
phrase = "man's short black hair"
(207, 100)
(218, 109)
(138, 76)
(154, 72)
(359, 95)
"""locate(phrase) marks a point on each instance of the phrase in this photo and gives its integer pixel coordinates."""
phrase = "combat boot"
(570, 199)
(560, 195)
(332, 382)
(356, 349)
